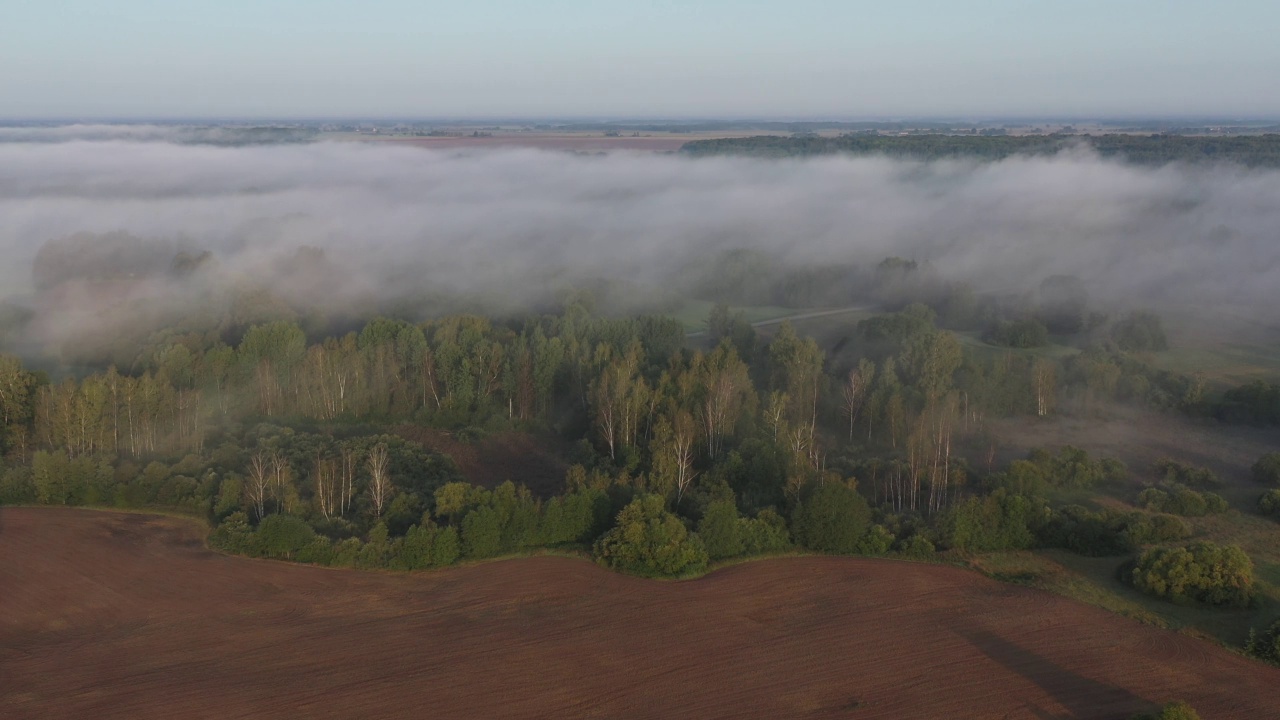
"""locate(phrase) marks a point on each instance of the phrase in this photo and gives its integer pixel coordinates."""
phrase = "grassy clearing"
(1223, 366)
(1047, 570)
(1098, 581)
(1057, 349)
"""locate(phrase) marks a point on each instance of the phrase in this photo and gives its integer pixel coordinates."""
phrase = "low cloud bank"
(506, 223)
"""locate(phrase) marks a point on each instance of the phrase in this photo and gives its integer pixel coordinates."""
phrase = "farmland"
(125, 615)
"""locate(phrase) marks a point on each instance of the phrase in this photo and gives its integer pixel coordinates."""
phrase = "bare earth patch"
(110, 615)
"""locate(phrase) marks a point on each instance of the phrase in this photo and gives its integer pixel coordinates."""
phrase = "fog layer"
(397, 219)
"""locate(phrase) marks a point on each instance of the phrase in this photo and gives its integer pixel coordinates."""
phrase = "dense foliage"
(291, 439)
(1201, 572)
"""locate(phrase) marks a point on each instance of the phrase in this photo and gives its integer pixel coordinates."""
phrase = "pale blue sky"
(761, 58)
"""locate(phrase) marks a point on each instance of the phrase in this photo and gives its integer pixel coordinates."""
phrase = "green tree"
(721, 530)
(648, 540)
(482, 533)
(1203, 572)
(281, 535)
(1267, 469)
(831, 518)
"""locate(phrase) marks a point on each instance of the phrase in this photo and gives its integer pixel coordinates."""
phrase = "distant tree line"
(1158, 149)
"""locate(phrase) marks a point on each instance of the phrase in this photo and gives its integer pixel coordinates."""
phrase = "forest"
(1155, 149)
(684, 450)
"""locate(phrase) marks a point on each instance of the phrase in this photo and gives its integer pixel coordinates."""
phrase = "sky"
(664, 58)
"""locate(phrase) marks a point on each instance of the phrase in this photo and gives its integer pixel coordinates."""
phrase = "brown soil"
(495, 459)
(113, 615)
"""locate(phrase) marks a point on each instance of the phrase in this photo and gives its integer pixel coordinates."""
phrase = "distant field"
(112, 615)
(582, 141)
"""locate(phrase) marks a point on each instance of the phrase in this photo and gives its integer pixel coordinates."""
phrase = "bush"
(1265, 647)
(1175, 473)
(1073, 468)
(232, 534)
(877, 541)
(721, 530)
(1156, 529)
(319, 551)
(1140, 332)
(577, 517)
(347, 552)
(1094, 534)
(1267, 469)
(765, 533)
(1202, 572)
(1000, 521)
(482, 533)
(1176, 710)
(1029, 333)
(648, 540)
(283, 535)
(16, 486)
(917, 547)
(832, 518)
(1181, 500)
(423, 547)
(1269, 503)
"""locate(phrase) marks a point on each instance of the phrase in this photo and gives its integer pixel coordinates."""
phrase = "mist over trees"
(166, 232)
(279, 340)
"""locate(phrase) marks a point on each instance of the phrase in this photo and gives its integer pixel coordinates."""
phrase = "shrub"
(1181, 500)
(1269, 503)
(416, 550)
(232, 534)
(283, 535)
(765, 533)
(1140, 332)
(1202, 572)
(1073, 468)
(1176, 710)
(877, 541)
(648, 540)
(1266, 646)
(482, 533)
(916, 546)
(1267, 469)
(1029, 333)
(1000, 521)
(577, 517)
(377, 551)
(319, 551)
(1156, 529)
(346, 552)
(721, 530)
(1175, 473)
(16, 486)
(832, 518)
(1094, 534)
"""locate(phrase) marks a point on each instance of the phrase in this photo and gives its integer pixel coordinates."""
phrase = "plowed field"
(107, 615)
